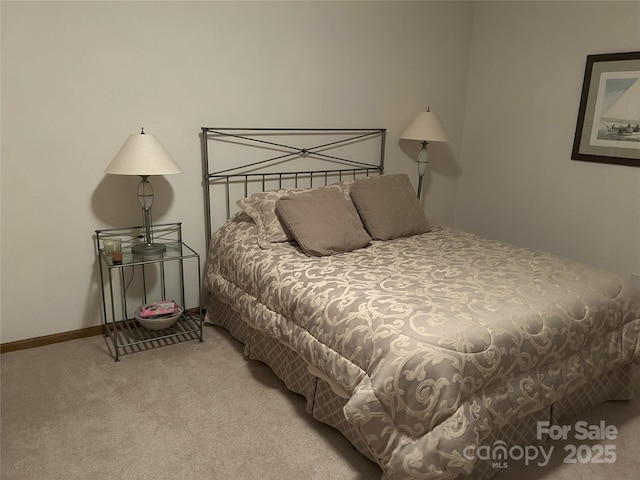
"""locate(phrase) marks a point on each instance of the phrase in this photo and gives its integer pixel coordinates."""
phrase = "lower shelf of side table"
(128, 336)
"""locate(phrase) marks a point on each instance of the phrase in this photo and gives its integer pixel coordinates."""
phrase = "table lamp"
(425, 128)
(142, 154)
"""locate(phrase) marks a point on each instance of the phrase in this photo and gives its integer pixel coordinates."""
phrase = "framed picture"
(608, 129)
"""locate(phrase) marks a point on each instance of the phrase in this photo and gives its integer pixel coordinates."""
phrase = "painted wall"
(79, 77)
(518, 181)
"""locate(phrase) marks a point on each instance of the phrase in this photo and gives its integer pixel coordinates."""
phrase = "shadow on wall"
(115, 200)
(115, 203)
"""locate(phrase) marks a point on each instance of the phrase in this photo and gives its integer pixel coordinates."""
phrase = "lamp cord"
(133, 273)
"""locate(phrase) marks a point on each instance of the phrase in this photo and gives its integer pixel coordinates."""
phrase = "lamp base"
(148, 249)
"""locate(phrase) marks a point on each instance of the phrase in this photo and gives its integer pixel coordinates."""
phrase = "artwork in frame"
(608, 128)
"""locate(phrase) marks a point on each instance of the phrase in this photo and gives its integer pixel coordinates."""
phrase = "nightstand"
(133, 281)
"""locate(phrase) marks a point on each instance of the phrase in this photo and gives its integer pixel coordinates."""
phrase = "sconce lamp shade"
(142, 154)
(426, 127)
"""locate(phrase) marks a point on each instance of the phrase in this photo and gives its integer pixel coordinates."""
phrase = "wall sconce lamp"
(425, 128)
(142, 154)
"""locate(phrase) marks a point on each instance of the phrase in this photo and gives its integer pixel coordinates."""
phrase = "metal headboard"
(261, 159)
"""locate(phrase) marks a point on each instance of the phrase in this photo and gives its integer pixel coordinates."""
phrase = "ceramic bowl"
(158, 323)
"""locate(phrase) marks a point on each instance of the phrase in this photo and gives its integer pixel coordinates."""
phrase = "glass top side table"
(129, 281)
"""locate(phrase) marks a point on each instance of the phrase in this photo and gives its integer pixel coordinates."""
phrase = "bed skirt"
(326, 406)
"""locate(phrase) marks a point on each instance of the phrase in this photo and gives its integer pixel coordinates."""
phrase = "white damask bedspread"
(435, 339)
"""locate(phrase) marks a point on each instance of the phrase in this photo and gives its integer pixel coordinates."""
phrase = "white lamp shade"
(426, 127)
(142, 154)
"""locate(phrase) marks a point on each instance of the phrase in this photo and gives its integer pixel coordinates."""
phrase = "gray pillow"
(323, 222)
(389, 207)
(261, 207)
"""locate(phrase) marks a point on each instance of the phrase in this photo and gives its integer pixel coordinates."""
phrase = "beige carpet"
(200, 411)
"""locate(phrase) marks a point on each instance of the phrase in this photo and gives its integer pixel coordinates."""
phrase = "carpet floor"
(200, 411)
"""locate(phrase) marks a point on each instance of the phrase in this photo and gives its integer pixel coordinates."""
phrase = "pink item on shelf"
(164, 307)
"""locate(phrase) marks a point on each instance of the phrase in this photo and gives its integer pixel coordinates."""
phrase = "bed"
(419, 342)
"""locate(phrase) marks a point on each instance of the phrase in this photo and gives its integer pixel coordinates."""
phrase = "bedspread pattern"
(437, 338)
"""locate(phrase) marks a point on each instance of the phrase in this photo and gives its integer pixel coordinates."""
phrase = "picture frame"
(608, 126)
